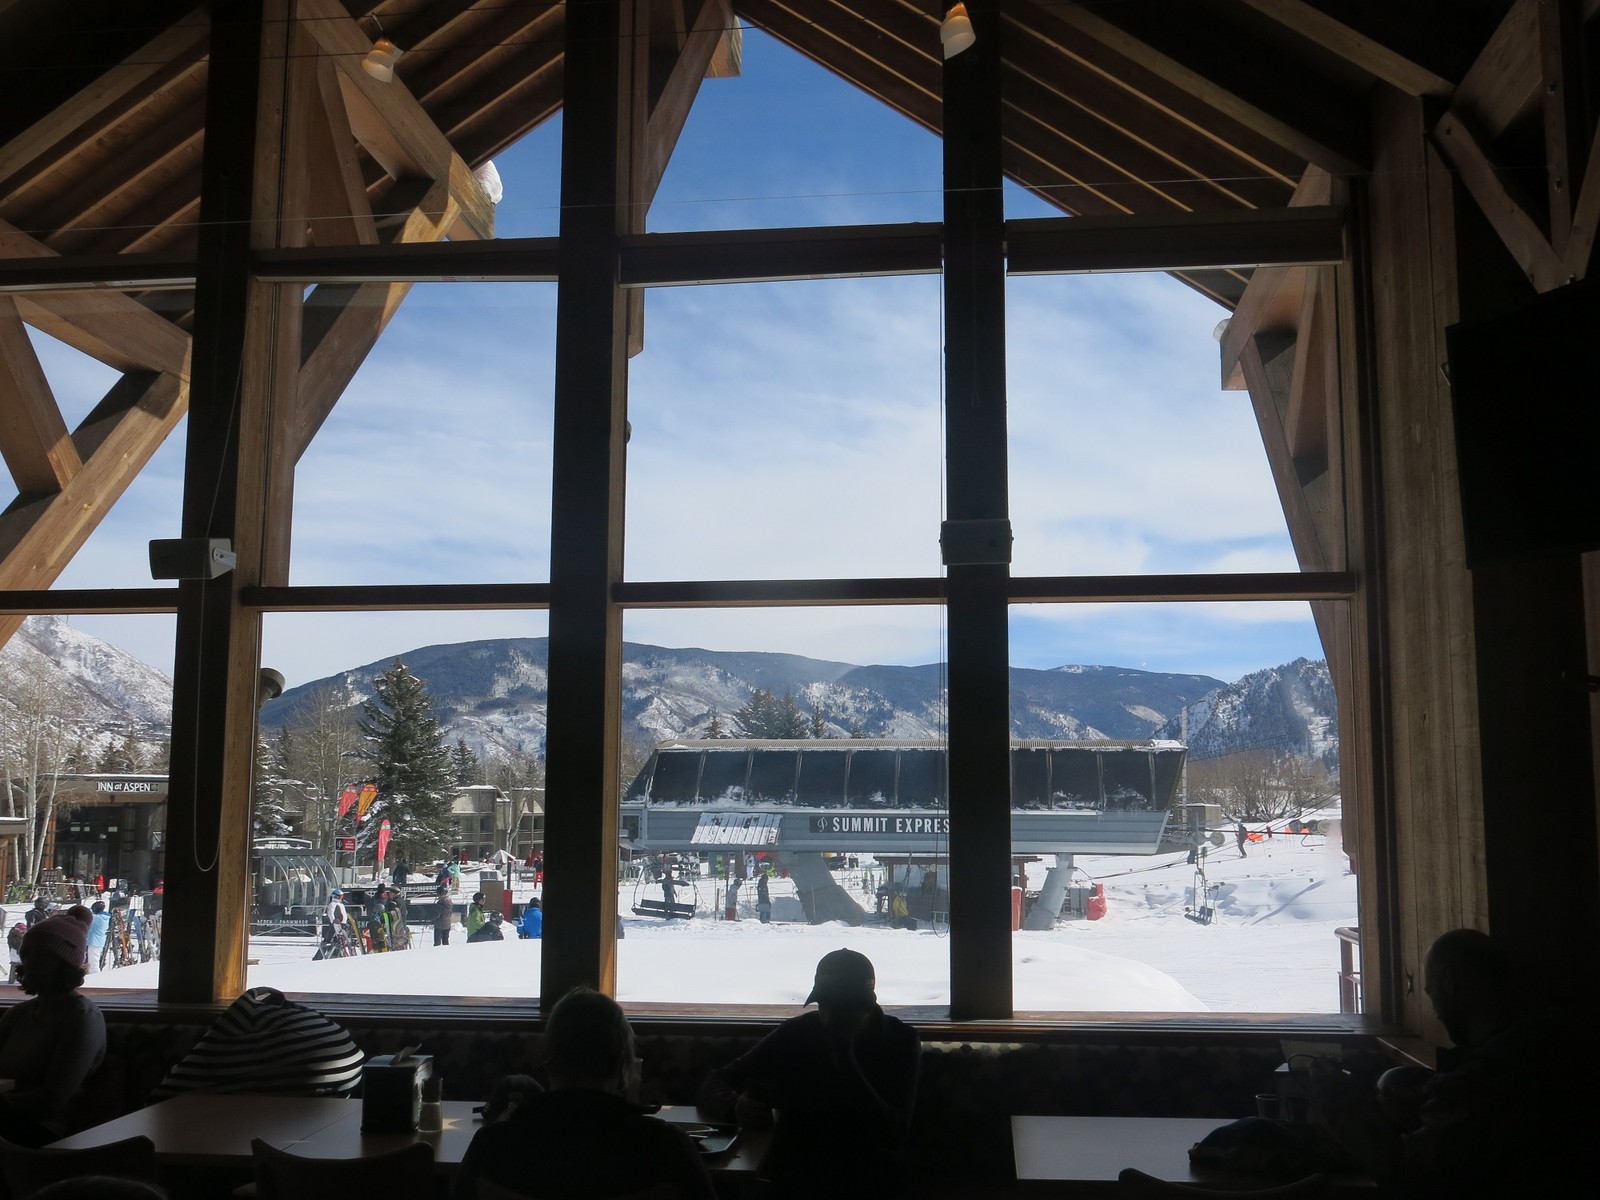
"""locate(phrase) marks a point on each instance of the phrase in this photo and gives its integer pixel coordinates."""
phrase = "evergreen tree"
(819, 723)
(767, 716)
(267, 817)
(715, 728)
(411, 767)
(464, 763)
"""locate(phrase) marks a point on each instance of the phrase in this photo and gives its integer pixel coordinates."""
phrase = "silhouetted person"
(587, 1135)
(843, 1079)
(1241, 836)
(1502, 1116)
(49, 1044)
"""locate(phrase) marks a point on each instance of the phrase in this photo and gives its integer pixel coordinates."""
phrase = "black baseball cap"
(845, 979)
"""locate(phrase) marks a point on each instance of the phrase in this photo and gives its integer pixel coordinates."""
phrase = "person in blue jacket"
(532, 920)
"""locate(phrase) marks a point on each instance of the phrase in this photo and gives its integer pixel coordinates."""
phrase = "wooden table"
(1082, 1156)
(198, 1130)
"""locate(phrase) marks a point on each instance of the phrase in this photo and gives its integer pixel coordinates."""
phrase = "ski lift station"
(799, 800)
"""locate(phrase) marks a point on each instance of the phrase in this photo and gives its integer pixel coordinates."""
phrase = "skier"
(475, 915)
(763, 899)
(1241, 836)
(730, 903)
(336, 923)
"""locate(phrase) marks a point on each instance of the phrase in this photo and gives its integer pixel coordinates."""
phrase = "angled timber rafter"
(1281, 345)
(682, 53)
(389, 122)
(67, 484)
(1356, 46)
(1311, 121)
(1535, 57)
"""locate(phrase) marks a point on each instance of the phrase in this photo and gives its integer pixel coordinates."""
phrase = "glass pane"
(85, 736)
(332, 776)
(786, 431)
(786, 142)
(1206, 742)
(781, 767)
(434, 465)
(1126, 457)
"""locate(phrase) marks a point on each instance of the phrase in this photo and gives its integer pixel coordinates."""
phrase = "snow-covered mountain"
(107, 689)
(492, 694)
(1289, 709)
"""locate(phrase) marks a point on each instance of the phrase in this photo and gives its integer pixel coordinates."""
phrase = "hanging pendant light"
(380, 60)
(955, 31)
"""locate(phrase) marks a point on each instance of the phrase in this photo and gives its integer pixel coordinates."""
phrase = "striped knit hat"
(65, 936)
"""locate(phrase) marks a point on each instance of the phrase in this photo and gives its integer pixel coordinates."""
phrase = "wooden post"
(977, 537)
(218, 642)
(601, 133)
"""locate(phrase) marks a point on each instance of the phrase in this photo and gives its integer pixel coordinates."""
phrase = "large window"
(747, 550)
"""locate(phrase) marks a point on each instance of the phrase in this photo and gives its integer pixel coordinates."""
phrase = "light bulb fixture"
(955, 31)
(380, 60)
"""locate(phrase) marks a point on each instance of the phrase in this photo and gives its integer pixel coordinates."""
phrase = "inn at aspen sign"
(856, 827)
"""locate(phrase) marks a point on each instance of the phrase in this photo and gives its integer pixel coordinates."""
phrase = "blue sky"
(782, 430)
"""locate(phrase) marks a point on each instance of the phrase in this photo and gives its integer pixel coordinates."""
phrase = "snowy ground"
(1269, 949)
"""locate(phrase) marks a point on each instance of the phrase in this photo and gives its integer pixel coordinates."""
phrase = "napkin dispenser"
(391, 1091)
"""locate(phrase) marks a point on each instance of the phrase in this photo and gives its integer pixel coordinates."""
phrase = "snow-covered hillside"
(112, 690)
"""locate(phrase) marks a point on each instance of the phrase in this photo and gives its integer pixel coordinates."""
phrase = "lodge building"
(1349, 184)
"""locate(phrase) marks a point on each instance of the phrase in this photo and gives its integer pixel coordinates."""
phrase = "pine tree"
(411, 767)
(819, 723)
(464, 763)
(767, 716)
(267, 813)
(715, 728)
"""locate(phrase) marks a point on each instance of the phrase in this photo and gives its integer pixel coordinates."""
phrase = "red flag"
(347, 799)
(369, 793)
(383, 840)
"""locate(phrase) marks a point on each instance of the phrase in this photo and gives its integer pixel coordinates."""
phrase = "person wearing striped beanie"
(51, 1043)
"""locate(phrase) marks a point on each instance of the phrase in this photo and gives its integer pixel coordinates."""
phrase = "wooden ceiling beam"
(1503, 82)
(109, 326)
(1034, 125)
(1502, 201)
(170, 149)
(907, 82)
(675, 80)
(388, 120)
(1149, 100)
(39, 535)
(1079, 102)
(1273, 301)
(33, 437)
(1269, 363)
(1563, 103)
(102, 102)
(1220, 68)
(529, 88)
(1354, 46)
(337, 210)
(513, 37)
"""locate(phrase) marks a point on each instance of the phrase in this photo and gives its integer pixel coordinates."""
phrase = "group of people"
(847, 1066)
(382, 928)
(106, 946)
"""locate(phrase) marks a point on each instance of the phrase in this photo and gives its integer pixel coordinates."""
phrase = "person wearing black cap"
(843, 1079)
(51, 1044)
